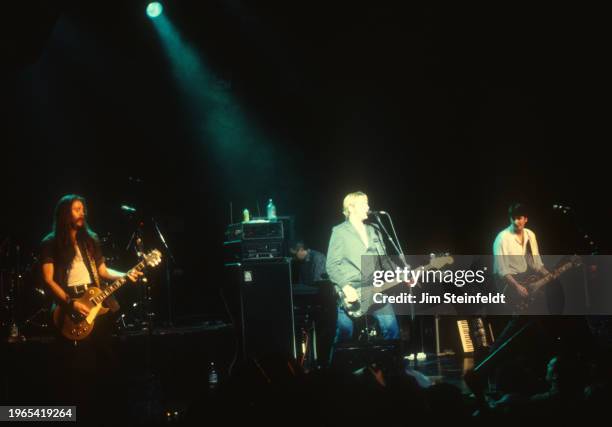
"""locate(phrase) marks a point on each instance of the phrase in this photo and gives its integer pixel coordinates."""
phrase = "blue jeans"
(387, 323)
(385, 316)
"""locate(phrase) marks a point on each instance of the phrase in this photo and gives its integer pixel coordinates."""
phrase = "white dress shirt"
(510, 254)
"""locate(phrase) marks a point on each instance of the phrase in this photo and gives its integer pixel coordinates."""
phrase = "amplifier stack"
(257, 240)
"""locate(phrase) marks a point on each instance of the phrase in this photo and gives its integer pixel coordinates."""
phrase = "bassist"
(515, 251)
(349, 241)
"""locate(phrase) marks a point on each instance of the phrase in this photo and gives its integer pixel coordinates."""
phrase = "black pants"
(89, 371)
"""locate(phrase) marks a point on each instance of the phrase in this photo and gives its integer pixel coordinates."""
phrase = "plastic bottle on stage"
(213, 376)
(271, 211)
(246, 216)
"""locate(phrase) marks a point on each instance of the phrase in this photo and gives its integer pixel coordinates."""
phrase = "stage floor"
(217, 341)
(168, 368)
(444, 369)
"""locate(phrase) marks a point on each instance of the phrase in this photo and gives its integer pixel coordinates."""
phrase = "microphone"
(376, 213)
(126, 208)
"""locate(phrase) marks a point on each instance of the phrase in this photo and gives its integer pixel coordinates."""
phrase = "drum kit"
(19, 292)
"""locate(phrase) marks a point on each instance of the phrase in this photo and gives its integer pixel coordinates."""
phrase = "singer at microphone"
(349, 242)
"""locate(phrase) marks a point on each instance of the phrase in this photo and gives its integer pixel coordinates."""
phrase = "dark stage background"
(443, 115)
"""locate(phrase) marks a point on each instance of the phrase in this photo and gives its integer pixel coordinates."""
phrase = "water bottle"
(246, 216)
(213, 376)
(271, 210)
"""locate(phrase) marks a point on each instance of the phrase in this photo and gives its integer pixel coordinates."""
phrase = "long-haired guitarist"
(349, 241)
(71, 255)
(72, 261)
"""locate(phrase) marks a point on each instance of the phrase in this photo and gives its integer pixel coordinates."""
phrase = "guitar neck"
(110, 289)
(555, 274)
(562, 269)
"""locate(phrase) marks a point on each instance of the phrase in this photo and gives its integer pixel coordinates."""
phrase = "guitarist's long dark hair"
(61, 229)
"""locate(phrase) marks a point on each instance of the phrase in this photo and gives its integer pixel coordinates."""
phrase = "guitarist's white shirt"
(509, 253)
(78, 273)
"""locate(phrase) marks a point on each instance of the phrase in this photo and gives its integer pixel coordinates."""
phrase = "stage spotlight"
(154, 9)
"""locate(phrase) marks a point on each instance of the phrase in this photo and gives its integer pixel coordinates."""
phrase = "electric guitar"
(365, 295)
(534, 283)
(74, 325)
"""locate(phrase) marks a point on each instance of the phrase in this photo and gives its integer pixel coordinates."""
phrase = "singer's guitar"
(364, 303)
(534, 283)
(76, 326)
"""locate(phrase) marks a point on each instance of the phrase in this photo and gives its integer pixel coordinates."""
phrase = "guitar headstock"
(438, 262)
(575, 261)
(153, 258)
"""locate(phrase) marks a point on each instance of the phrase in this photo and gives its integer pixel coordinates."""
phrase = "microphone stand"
(148, 297)
(396, 244)
(144, 295)
(588, 241)
(168, 272)
(398, 248)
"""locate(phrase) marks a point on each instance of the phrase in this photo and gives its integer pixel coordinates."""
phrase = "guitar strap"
(529, 256)
(110, 302)
(93, 268)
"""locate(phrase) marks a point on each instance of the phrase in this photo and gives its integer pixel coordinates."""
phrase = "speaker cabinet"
(266, 309)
